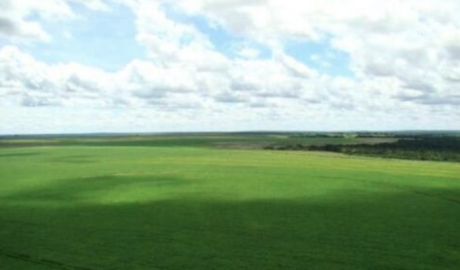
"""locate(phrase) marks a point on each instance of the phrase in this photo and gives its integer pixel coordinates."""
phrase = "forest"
(435, 148)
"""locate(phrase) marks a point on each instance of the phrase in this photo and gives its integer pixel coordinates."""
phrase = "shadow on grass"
(13, 155)
(76, 190)
(76, 159)
(374, 231)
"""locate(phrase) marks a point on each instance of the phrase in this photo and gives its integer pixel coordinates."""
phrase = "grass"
(101, 205)
(256, 141)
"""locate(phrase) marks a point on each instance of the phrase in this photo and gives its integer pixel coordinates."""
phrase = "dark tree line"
(421, 148)
(437, 148)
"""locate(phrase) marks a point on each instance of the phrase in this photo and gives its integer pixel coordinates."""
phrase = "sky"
(83, 66)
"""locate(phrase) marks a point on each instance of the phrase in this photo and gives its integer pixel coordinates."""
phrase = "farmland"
(216, 202)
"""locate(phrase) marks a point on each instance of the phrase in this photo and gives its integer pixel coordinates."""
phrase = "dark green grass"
(101, 207)
(200, 140)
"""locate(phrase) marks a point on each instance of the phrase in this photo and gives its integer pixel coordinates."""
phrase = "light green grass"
(96, 207)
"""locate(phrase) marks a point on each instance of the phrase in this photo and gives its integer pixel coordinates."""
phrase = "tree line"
(436, 148)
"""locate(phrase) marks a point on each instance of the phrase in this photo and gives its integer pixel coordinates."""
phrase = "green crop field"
(179, 204)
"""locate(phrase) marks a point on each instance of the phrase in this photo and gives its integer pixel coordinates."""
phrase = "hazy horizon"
(109, 133)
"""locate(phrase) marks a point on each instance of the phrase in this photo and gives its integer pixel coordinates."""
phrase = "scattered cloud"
(23, 19)
(403, 56)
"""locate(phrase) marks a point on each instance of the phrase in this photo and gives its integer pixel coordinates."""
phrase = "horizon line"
(232, 132)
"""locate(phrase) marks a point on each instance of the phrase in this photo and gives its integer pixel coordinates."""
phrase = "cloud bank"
(226, 65)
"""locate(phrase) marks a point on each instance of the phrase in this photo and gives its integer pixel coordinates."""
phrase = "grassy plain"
(99, 204)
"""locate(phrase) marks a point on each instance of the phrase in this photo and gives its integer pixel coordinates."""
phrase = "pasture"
(180, 204)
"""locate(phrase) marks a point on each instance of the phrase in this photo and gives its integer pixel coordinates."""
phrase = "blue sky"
(98, 38)
(107, 40)
(320, 56)
(157, 65)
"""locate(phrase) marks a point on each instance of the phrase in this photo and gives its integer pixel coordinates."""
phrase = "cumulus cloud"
(403, 56)
(143, 83)
(40, 84)
(23, 19)
(409, 40)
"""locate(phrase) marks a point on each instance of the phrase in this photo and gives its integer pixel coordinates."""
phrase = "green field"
(180, 204)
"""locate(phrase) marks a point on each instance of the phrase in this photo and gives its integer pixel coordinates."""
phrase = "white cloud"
(23, 19)
(40, 84)
(413, 41)
(404, 56)
(248, 52)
